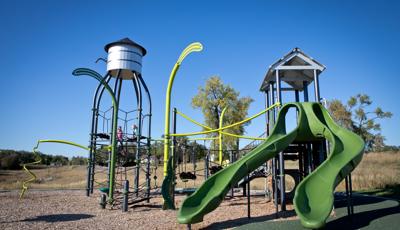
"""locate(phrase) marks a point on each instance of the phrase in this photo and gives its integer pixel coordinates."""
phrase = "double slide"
(313, 199)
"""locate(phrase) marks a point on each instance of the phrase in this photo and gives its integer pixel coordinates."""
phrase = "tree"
(357, 116)
(213, 98)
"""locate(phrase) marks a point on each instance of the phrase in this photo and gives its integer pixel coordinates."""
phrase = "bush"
(10, 162)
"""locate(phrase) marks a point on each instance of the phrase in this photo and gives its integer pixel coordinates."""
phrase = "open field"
(376, 171)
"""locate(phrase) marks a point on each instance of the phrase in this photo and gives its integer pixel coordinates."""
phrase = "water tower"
(120, 154)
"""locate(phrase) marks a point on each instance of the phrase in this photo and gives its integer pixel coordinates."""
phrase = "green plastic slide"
(314, 195)
(313, 200)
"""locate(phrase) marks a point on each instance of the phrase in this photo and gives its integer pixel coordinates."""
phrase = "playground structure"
(325, 152)
(315, 135)
(132, 153)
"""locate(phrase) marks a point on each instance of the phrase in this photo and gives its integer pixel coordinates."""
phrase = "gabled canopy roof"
(294, 68)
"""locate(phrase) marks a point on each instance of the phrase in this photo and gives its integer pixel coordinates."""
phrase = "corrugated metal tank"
(124, 55)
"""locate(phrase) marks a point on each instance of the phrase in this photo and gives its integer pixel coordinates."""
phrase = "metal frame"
(138, 83)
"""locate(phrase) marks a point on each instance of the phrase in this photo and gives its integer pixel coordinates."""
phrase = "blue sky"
(43, 41)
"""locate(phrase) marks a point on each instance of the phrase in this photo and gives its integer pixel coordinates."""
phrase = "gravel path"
(67, 209)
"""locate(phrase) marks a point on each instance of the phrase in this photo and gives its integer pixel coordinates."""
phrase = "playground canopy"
(295, 68)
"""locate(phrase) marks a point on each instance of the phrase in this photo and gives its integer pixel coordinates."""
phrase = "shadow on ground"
(370, 212)
(59, 218)
(244, 221)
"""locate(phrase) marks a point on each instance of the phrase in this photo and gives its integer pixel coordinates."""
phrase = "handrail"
(225, 133)
(26, 183)
(228, 126)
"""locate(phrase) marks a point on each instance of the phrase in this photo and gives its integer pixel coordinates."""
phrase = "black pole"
(347, 195)
(139, 133)
(316, 86)
(248, 197)
(149, 113)
(305, 91)
(111, 138)
(125, 194)
(351, 195)
(281, 159)
(274, 165)
(173, 147)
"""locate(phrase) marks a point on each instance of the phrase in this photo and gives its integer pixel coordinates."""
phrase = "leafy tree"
(213, 98)
(78, 161)
(357, 116)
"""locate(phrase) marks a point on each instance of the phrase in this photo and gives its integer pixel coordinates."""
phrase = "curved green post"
(97, 76)
(220, 135)
(193, 47)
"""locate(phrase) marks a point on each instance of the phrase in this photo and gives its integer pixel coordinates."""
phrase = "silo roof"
(125, 41)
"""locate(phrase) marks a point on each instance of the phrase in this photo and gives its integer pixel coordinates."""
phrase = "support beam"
(281, 159)
(305, 91)
(316, 86)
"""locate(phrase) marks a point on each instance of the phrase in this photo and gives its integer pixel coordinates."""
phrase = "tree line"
(14, 159)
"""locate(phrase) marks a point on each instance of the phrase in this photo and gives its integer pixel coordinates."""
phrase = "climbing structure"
(120, 139)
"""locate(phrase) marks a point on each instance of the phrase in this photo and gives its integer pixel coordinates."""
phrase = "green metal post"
(194, 47)
(220, 135)
(97, 76)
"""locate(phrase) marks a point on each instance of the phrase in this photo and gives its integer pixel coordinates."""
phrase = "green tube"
(194, 47)
(25, 184)
(97, 76)
(168, 179)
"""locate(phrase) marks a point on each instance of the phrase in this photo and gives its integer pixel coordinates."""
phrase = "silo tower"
(127, 130)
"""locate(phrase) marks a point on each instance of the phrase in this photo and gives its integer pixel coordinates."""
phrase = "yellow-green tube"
(221, 118)
(25, 184)
(228, 126)
(209, 128)
(194, 47)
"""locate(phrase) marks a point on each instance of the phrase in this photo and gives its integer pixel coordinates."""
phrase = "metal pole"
(274, 166)
(267, 115)
(347, 195)
(150, 108)
(172, 151)
(206, 165)
(296, 95)
(125, 194)
(111, 164)
(351, 195)
(316, 86)
(94, 74)
(92, 140)
(138, 134)
(305, 91)
(248, 197)
(95, 119)
(281, 160)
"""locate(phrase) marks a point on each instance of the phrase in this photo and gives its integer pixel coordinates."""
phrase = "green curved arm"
(194, 47)
(221, 118)
(97, 76)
